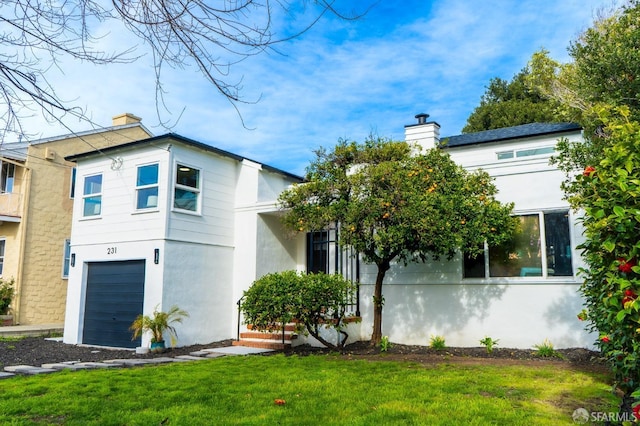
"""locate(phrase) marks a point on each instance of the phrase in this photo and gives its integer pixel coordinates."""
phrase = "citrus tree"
(609, 193)
(394, 203)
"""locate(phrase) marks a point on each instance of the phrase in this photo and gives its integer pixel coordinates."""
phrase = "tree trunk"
(378, 302)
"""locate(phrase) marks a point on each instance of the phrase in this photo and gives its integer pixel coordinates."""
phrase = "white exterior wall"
(423, 300)
(206, 260)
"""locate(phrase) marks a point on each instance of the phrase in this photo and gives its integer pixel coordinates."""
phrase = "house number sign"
(112, 250)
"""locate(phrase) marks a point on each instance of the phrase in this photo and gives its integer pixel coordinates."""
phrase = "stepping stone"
(4, 375)
(216, 355)
(99, 365)
(199, 353)
(190, 358)
(65, 366)
(127, 362)
(28, 369)
(160, 360)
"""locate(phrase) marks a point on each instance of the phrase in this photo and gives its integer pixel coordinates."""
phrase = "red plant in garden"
(629, 296)
(605, 339)
(588, 171)
(636, 412)
(626, 266)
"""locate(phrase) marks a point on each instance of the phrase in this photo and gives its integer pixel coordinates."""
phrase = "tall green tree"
(604, 73)
(394, 204)
(511, 103)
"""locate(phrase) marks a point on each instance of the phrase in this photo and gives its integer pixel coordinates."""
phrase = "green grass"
(323, 390)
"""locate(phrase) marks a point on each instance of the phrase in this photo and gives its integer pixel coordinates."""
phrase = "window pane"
(186, 200)
(147, 175)
(92, 206)
(93, 184)
(520, 257)
(72, 191)
(317, 252)
(67, 255)
(535, 151)
(2, 243)
(558, 243)
(187, 176)
(505, 155)
(474, 267)
(147, 198)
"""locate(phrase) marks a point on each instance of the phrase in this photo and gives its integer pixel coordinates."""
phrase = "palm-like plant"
(159, 323)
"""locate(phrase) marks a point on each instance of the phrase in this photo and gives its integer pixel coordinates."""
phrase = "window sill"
(187, 212)
(522, 280)
(145, 211)
(82, 219)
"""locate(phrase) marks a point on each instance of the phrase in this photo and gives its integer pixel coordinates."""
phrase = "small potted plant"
(158, 323)
(7, 292)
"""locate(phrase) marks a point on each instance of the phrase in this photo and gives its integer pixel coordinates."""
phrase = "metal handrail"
(239, 302)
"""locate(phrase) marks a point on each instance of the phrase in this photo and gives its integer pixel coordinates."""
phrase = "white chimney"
(426, 134)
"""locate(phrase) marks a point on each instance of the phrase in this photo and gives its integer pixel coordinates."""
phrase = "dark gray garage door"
(115, 295)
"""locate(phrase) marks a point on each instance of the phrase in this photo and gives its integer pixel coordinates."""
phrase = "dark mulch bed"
(37, 351)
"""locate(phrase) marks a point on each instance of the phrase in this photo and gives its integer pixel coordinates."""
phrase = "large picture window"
(187, 188)
(540, 247)
(92, 196)
(147, 187)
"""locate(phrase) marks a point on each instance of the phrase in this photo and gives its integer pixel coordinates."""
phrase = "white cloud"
(342, 79)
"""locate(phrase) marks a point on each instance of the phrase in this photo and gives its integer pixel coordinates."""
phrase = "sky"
(340, 79)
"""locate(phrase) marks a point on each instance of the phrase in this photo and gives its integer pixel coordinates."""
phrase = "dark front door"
(115, 296)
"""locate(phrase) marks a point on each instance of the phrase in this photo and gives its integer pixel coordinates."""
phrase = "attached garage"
(114, 298)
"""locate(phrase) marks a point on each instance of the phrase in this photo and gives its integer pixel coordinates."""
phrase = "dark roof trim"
(507, 133)
(181, 139)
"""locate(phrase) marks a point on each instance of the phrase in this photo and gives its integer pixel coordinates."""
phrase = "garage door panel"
(115, 295)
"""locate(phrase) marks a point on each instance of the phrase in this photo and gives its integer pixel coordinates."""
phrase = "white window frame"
(197, 190)
(543, 253)
(66, 258)
(86, 196)
(140, 188)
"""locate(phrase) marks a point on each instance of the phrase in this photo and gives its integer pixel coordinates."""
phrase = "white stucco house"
(169, 220)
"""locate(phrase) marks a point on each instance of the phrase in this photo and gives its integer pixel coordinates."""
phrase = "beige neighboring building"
(36, 202)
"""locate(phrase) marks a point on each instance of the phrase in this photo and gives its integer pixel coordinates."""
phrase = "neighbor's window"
(147, 187)
(541, 247)
(72, 186)
(187, 188)
(92, 196)
(66, 258)
(7, 177)
(2, 244)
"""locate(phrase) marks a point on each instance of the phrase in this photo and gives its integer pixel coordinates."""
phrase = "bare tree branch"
(212, 35)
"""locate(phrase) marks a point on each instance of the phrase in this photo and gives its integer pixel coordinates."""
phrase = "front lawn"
(315, 390)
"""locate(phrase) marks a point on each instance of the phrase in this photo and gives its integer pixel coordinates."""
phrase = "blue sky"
(341, 79)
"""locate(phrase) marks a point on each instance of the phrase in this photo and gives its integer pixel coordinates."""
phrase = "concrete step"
(263, 344)
(267, 335)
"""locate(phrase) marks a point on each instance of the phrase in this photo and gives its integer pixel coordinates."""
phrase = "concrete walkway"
(31, 330)
(48, 329)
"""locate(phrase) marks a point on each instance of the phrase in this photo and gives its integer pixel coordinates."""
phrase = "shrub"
(489, 343)
(7, 292)
(316, 301)
(437, 343)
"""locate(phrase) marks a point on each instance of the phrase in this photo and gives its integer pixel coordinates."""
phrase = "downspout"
(23, 240)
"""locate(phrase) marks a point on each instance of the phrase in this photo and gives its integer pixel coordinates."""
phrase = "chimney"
(126, 118)
(424, 133)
